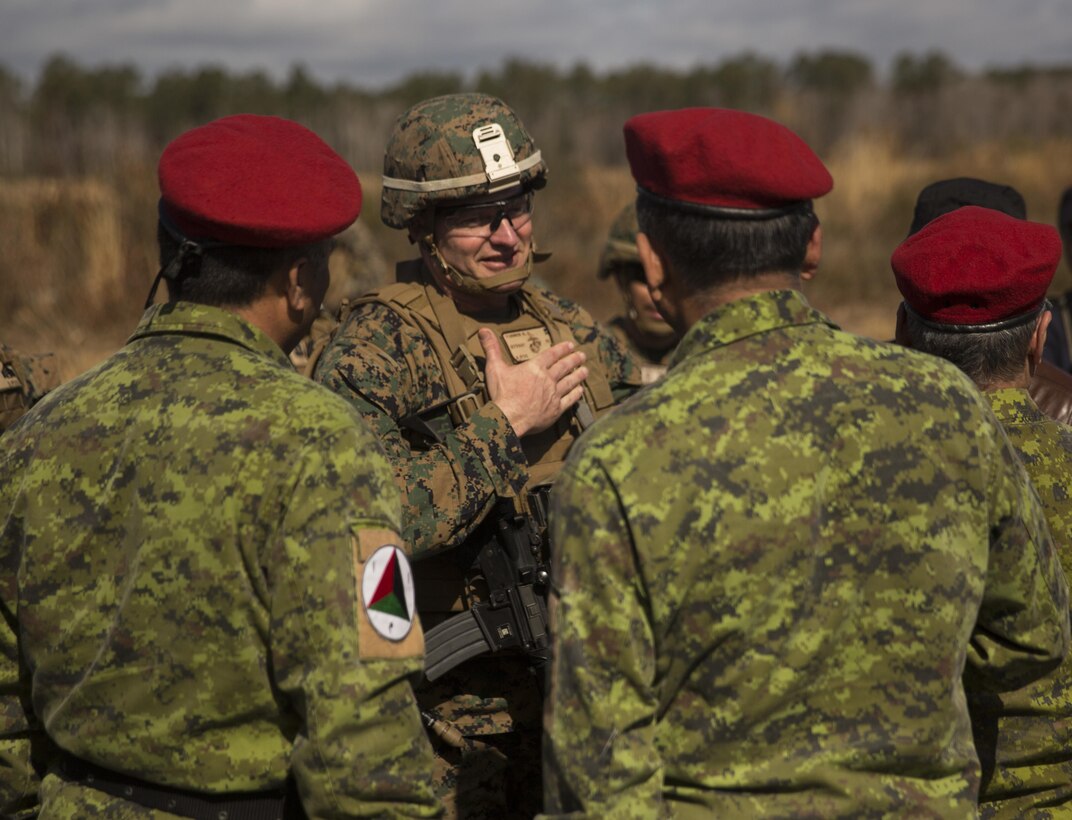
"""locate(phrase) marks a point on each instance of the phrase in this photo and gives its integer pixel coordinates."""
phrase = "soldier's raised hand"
(533, 394)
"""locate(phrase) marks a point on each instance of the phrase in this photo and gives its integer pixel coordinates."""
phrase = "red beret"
(257, 181)
(976, 266)
(722, 158)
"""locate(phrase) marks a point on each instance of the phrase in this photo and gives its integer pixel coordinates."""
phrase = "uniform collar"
(741, 318)
(1014, 405)
(187, 318)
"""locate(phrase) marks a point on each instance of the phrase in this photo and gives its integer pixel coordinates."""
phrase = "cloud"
(374, 42)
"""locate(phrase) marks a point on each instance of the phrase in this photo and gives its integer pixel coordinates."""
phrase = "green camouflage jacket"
(1024, 737)
(388, 370)
(773, 568)
(188, 534)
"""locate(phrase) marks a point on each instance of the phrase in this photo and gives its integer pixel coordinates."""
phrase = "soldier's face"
(487, 235)
(637, 297)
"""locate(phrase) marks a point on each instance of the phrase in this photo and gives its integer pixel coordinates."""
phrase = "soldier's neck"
(699, 304)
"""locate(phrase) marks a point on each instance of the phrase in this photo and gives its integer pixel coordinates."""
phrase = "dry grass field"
(78, 255)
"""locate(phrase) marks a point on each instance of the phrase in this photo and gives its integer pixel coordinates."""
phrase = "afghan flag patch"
(387, 593)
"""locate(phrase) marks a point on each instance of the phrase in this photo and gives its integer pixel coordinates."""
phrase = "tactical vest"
(539, 324)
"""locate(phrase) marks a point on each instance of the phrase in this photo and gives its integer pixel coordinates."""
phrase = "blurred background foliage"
(78, 149)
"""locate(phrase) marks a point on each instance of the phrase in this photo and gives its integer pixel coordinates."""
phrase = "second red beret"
(256, 181)
(975, 266)
(722, 158)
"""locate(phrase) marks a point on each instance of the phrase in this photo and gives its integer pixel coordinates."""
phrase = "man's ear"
(654, 272)
(1038, 340)
(813, 253)
(299, 286)
(420, 226)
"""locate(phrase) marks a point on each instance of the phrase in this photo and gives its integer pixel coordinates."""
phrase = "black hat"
(949, 194)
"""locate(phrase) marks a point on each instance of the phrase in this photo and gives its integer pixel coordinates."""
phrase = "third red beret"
(257, 181)
(724, 160)
(976, 266)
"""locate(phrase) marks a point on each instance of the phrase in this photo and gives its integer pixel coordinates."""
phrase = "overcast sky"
(373, 43)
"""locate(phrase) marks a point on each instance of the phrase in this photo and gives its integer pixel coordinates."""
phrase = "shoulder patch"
(387, 592)
(388, 626)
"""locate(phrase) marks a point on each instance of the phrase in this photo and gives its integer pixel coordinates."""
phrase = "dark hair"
(987, 357)
(708, 250)
(231, 275)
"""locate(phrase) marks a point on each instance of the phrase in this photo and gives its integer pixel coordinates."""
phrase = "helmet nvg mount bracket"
(450, 149)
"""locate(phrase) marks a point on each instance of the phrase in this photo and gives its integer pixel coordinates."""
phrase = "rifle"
(514, 563)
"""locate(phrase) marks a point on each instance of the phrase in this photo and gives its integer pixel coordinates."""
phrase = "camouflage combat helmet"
(455, 146)
(621, 242)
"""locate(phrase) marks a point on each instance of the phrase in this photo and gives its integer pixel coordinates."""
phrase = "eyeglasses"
(483, 219)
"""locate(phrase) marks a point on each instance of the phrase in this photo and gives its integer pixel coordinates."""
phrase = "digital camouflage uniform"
(388, 369)
(184, 536)
(773, 567)
(413, 366)
(652, 362)
(1024, 738)
(23, 381)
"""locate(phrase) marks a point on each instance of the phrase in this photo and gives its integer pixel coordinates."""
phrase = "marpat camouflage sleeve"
(447, 488)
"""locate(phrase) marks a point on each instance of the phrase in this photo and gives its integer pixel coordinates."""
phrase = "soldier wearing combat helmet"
(642, 329)
(476, 382)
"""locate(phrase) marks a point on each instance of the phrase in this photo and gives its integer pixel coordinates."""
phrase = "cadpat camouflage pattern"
(1024, 738)
(190, 592)
(770, 613)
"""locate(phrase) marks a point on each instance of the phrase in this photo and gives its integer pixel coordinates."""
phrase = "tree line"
(78, 120)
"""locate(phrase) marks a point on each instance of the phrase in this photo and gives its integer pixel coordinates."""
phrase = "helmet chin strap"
(467, 283)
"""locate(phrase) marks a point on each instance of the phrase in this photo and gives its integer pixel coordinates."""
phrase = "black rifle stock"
(514, 566)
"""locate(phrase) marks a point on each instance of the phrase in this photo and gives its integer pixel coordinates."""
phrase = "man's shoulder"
(1044, 439)
(381, 317)
(838, 376)
(877, 365)
(559, 306)
(307, 404)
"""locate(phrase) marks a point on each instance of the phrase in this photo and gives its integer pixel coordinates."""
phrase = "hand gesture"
(533, 394)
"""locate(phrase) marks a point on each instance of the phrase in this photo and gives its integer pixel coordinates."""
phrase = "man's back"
(186, 590)
(795, 568)
(1024, 737)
